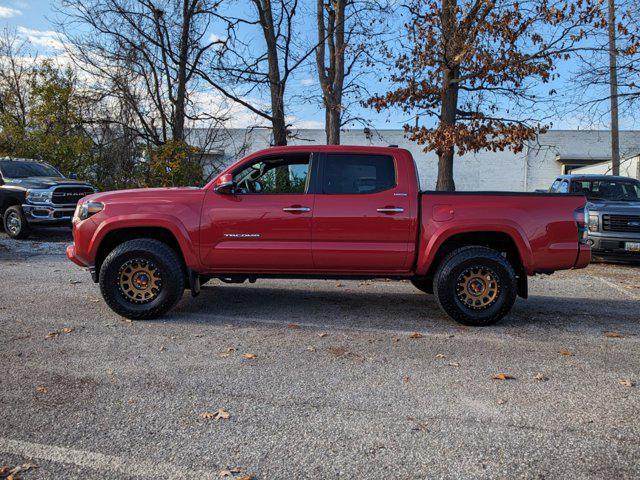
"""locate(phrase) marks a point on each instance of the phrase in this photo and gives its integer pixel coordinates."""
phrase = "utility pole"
(613, 84)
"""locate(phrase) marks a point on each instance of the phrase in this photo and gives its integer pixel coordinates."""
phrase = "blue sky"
(31, 20)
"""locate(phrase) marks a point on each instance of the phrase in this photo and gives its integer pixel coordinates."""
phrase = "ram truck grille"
(621, 223)
(69, 195)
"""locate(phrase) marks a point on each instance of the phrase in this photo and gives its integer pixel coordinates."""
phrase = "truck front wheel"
(15, 224)
(476, 286)
(141, 279)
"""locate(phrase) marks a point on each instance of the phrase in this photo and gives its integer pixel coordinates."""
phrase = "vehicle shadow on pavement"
(358, 307)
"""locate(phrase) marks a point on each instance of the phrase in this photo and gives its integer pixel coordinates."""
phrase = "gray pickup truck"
(614, 212)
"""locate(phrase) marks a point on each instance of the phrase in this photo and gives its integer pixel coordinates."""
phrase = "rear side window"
(554, 187)
(358, 174)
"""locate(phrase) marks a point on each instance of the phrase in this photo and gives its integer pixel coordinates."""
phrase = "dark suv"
(36, 194)
(614, 211)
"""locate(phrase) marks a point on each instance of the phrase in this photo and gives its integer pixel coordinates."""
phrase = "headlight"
(593, 222)
(86, 209)
(38, 196)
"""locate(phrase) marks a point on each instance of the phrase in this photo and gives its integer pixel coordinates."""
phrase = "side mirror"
(225, 185)
(73, 176)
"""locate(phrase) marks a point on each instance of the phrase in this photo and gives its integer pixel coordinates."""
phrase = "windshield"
(18, 169)
(603, 189)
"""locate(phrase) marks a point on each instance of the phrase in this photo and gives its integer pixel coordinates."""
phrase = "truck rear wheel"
(141, 279)
(15, 223)
(475, 286)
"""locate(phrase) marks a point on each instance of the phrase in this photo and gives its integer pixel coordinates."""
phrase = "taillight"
(581, 216)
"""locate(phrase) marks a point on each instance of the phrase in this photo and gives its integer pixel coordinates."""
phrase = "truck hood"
(44, 182)
(619, 207)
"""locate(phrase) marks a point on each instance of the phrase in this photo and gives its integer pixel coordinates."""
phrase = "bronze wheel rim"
(477, 287)
(139, 281)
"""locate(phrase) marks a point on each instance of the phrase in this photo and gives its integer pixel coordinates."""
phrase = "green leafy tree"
(43, 119)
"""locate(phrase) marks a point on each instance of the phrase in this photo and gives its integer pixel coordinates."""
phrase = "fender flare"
(168, 222)
(428, 252)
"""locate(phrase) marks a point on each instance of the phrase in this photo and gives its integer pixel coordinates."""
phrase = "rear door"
(362, 218)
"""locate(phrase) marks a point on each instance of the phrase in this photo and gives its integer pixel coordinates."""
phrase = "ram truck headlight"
(86, 209)
(35, 195)
(594, 223)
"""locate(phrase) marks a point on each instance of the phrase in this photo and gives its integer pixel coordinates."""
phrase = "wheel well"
(9, 202)
(117, 237)
(499, 241)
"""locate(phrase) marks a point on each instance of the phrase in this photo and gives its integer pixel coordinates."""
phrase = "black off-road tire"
(423, 284)
(165, 260)
(459, 261)
(23, 230)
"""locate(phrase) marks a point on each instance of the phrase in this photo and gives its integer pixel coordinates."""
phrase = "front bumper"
(613, 243)
(48, 214)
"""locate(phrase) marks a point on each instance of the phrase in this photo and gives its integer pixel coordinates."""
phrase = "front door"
(363, 216)
(266, 224)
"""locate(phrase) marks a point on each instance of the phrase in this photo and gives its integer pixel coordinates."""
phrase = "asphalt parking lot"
(320, 379)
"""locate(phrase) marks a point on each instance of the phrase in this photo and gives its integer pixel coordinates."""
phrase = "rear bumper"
(584, 256)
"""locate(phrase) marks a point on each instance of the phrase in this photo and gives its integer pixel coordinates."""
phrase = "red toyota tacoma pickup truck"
(326, 212)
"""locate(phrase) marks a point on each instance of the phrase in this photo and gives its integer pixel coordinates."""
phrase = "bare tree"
(347, 30)
(144, 53)
(262, 66)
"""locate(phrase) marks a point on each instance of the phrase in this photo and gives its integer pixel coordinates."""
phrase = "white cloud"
(308, 81)
(42, 38)
(6, 12)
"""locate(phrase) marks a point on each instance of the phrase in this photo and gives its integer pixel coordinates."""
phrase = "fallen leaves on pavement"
(55, 333)
(416, 335)
(453, 364)
(41, 389)
(627, 383)
(249, 356)
(613, 335)
(10, 473)
(566, 353)
(322, 335)
(220, 414)
(293, 325)
(229, 472)
(540, 377)
(503, 376)
(441, 355)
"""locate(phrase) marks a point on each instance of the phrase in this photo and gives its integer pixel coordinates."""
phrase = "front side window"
(281, 175)
(358, 174)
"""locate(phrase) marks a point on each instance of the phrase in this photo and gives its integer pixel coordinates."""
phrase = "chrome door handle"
(391, 210)
(296, 209)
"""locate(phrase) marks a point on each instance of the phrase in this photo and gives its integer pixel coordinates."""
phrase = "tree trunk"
(333, 126)
(449, 105)
(179, 107)
(613, 83)
(278, 124)
(276, 86)
(331, 36)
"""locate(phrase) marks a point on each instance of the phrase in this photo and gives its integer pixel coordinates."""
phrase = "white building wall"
(629, 167)
(534, 168)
